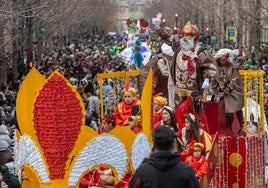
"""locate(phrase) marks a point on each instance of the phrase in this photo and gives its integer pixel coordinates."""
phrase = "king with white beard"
(190, 64)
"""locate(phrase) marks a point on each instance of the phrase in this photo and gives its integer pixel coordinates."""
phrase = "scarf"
(190, 60)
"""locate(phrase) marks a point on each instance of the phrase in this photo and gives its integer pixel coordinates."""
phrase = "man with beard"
(160, 64)
(193, 104)
(191, 66)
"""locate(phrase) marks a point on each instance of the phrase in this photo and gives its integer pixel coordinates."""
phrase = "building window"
(264, 35)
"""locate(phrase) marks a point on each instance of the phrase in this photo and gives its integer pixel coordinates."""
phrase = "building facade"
(128, 8)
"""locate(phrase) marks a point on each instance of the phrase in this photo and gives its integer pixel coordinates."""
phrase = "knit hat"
(163, 137)
(165, 33)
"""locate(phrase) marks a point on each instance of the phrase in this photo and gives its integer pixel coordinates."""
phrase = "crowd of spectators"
(80, 61)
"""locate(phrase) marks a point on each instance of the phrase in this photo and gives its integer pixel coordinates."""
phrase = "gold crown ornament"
(190, 30)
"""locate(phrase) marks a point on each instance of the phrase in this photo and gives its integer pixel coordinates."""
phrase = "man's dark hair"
(163, 138)
(198, 105)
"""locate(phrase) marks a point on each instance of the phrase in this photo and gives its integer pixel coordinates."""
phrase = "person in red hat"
(122, 111)
(108, 123)
(197, 160)
(192, 66)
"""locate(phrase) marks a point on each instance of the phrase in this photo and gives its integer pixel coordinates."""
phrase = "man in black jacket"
(163, 167)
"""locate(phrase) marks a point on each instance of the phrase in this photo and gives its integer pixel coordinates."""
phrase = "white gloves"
(205, 84)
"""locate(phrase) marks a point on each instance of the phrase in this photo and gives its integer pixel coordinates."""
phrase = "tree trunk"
(3, 64)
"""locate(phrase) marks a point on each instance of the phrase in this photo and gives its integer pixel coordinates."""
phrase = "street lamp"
(163, 22)
(207, 35)
(176, 24)
(176, 20)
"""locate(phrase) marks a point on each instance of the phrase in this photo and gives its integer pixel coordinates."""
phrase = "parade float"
(55, 149)
(238, 160)
(135, 35)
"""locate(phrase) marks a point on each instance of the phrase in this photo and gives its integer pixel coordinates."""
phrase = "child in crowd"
(108, 123)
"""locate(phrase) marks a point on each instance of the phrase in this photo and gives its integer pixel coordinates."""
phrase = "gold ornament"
(235, 185)
(235, 159)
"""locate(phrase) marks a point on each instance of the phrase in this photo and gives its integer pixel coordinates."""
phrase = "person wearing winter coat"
(163, 167)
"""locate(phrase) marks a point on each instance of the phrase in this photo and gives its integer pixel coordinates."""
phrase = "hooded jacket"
(164, 169)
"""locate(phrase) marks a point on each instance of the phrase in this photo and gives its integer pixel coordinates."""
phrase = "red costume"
(199, 165)
(90, 179)
(187, 107)
(158, 124)
(123, 111)
(157, 117)
(137, 130)
(124, 182)
(197, 161)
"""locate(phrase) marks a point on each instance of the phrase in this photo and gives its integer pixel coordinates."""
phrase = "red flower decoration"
(57, 121)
